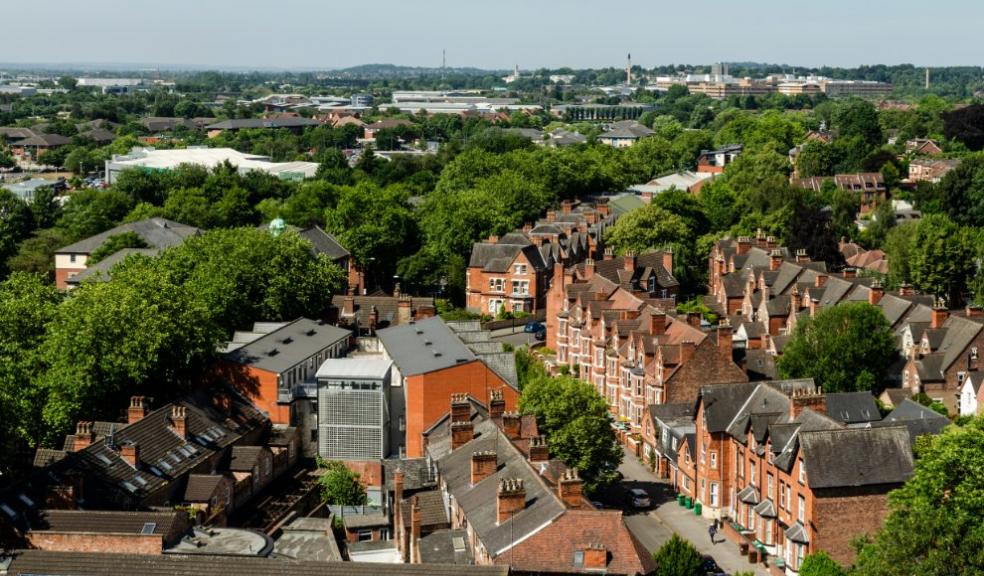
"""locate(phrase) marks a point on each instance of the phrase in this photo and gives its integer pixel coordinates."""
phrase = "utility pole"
(927, 78)
(444, 64)
(628, 70)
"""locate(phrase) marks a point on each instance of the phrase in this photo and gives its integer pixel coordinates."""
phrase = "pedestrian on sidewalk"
(712, 532)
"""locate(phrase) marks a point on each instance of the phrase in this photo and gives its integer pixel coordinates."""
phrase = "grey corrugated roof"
(156, 232)
(284, 348)
(424, 346)
(26, 562)
(856, 457)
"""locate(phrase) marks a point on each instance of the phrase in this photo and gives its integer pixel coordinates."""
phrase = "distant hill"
(394, 71)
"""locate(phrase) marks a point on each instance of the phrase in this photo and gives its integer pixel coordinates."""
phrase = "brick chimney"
(668, 259)
(493, 239)
(771, 243)
(460, 408)
(939, 314)
(725, 338)
(130, 452)
(527, 228)
(373, 317)
(794, 300)
(511, 424)
(813, 306)
(461, 433)
(801, 256)
(510, 499)
(811, 398)
(602, 207)
(875, 293)
(775, 259)
(744, 245)
(905, 289)
(348, 305)
(974, 311)
(760, 238)
(657, 323)
(687, 348)
(483, 465)
(609, 254)
(629, 261)
(595, 557)
(397, 491)
(179, 421)
(821, 280)
(850, 273)
(694, 318)
(83, 435)
(570, 488)
(137, 409)
(497, 405)
(404, 310)
(415, 523)
(539, 451)
(589, 269)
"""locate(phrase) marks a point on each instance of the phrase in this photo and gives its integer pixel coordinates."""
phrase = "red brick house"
(870, 186)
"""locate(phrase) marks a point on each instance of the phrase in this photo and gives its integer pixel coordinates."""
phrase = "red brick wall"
(95, 542)
(260, 387)
(428, 397)
(62, 274)
(839, 517)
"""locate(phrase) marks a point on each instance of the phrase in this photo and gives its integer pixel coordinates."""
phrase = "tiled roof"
(852, 407)
(155, 232)
(433, 512)
(856, 457)
(245, 458)
(323, 242)
(201, 487)
(105, 521)
(386, 307)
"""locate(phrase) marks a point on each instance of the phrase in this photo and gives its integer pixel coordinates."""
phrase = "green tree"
(934, 526)
(645, 229)
(37, 253)
(677, 557)
(815, 159)
(114, 244)
(821, 564)
(898, 249)
(89, 212)
(942, 258)
(576, 421)
(844, 348)
(339, 485)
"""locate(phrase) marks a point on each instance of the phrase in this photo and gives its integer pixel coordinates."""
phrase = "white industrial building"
(151, 159)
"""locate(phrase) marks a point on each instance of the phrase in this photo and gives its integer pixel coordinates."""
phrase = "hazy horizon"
(305, 35)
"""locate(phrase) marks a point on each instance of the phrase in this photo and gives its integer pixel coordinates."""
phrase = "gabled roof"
(105, 522)
(155, 232)
(201, 487)
(856, 457)
(324, 243)
(852, 407)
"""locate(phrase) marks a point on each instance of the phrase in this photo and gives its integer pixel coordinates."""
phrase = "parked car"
(638, 498)
(598, 505)
(541, 335)
(711, 568)
(532, 327)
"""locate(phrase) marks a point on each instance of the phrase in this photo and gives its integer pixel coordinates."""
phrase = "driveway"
(655, 526)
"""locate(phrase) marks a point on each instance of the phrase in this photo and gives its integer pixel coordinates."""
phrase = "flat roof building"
(157, 160)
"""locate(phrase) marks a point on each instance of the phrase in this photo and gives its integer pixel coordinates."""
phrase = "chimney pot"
(539, 451)
(570, 488)
(511, 424)
(483, 465)
(510, 499)
(137, 410)
(179, 421)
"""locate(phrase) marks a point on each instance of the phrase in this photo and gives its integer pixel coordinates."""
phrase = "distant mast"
(628, 70)
(927, 78)
(444, 64)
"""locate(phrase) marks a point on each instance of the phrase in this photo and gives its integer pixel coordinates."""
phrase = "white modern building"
(155, 160)
(353, 408)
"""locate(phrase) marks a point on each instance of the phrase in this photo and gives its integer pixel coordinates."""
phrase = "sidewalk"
(668, 517)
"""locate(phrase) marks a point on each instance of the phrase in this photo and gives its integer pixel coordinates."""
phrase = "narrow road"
(655, 526)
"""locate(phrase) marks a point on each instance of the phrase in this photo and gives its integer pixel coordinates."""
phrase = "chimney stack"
(725, 338)
(801, 257)
(497, 405)
(83, 436)
(565, 206)
(539, 451)
(510, 499)
(850, 272)
(794, 300)
(744, 245)
(905, 289)
(811, 398)
(821, 280)
(657, 323)
(687, 348)
(694, 318)
(551, 215)
(415, 523)
(668, 259)
(461, 433)
(137, 409)
(130, 452)
(179, 421)
(775, 259)
(875, 293)
(609, 254)
(760, 238)
(460, 408)
(939, 314)
(404, 309)
(589, 268)
(511, 423)
(493, 239)
(628, 261)
(348, 305)
(483, 465)
(570, 488)
(813, 306)
(771, 243)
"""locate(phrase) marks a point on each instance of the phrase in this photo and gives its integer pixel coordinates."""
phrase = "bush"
(677, 557)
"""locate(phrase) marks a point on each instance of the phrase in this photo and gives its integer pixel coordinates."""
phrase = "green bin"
(690, 502)
(680, 499)
(697, 509)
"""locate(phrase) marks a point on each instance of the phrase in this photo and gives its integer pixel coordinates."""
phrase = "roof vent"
(311, 332)
(286, 340)
(272, 352)
(419, 331)
(427, 342)
(437, 354)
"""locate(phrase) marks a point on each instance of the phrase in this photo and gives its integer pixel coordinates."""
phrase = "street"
(654, 526)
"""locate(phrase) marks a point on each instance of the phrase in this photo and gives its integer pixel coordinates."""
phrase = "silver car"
(638, 498)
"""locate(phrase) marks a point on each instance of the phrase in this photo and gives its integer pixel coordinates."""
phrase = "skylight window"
(129, 487)
(163, 464)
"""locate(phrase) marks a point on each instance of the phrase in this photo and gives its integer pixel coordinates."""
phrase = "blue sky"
(497, 34)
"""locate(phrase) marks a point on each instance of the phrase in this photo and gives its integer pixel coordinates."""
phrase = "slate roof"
(324, 243)
(445, 547)
(918, 419)
(308, 538)
(201, 487)
(424, 346)
(630, 130)
(100, 271)
(856, 457)
(155, 232)
(852, 407)
(105, 522)
(478, 501)
(35, 562)
(499, 256)
(432, 509)
(245, 458)
(282, 349)
(722, 402)
(43, 140)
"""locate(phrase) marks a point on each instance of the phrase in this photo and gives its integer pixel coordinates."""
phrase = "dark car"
(541, 335)
(533, 327)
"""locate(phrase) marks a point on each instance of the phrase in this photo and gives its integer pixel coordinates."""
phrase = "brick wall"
(97, 542)
(841, 516)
